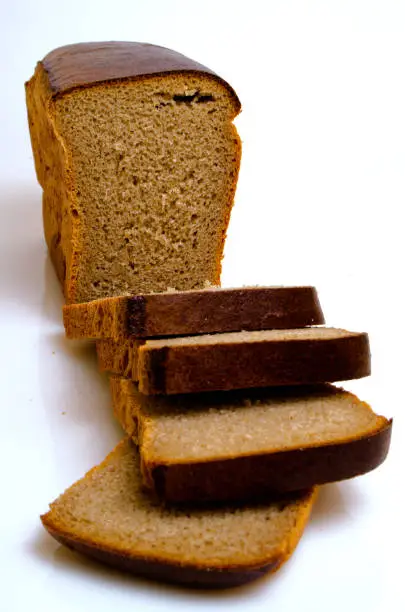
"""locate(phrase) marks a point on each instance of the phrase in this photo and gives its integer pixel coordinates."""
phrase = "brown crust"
(261, 475)
(198, 368)
(85, 64)
(157, 570)
(224, 310)
(194, 312)
(51, 164)
(119, 357)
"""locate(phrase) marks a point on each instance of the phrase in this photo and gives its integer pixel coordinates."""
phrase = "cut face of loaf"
(193, 312)
(107, 515)
(239, 360)
(138, 159)
(246, 445)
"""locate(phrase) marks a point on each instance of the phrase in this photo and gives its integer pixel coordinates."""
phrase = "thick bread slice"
(194, 312)
(239, 360)
(138, 157)
(108, 516)
(245, 445)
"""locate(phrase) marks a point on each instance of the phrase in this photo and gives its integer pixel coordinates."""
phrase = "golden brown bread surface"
(247, 444)
(119, 356)
(238, 360)
(108, 516)
(182, 313)
(138, 158)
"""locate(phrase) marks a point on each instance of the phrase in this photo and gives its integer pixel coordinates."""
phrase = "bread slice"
(194, 312)
(246, 445)
(107, 515)
(238, 360)
(138, 158)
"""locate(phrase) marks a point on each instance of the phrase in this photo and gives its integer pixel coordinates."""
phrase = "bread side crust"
(168, 571)
(54, 173)
(213, 311)
(97, 320)
(198, 368)
(194, 312)
(119, 357)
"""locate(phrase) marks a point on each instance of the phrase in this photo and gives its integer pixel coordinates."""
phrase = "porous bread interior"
(109, 508)
(232, 424)
(267, 335)
(154, 167)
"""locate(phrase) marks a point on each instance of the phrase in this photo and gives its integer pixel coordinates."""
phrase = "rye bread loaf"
(238, 360)
(180, 313)
(108, 516)
(245, 445)
(138, 158)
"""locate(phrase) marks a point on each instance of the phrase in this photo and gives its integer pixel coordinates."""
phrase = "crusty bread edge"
(119, 358)
(40, 82)
(150, 315)
(161, 369)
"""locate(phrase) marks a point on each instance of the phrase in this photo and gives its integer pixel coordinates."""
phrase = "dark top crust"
(200, 312)
(260, 475)
(214, 367)
(85, 64)
(167, 572)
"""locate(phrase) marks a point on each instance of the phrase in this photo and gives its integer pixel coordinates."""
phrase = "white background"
(320, 201)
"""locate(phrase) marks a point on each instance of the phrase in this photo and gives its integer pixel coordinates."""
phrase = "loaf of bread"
(138, 157)
(245, 445)
(238, 360)
(109, 517)
(180, 313)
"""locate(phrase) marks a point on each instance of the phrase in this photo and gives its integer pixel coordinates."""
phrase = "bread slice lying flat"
(107, 515)
(243, 445)
(194, 312)
(138, 157)
(238, 360)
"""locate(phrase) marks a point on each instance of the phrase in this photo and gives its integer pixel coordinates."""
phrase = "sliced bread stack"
(224, 415)
(215, 482)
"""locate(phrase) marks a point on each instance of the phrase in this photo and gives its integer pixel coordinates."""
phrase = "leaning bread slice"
(238, 360)
(180, 313)
(107, 515)
(243, 445)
